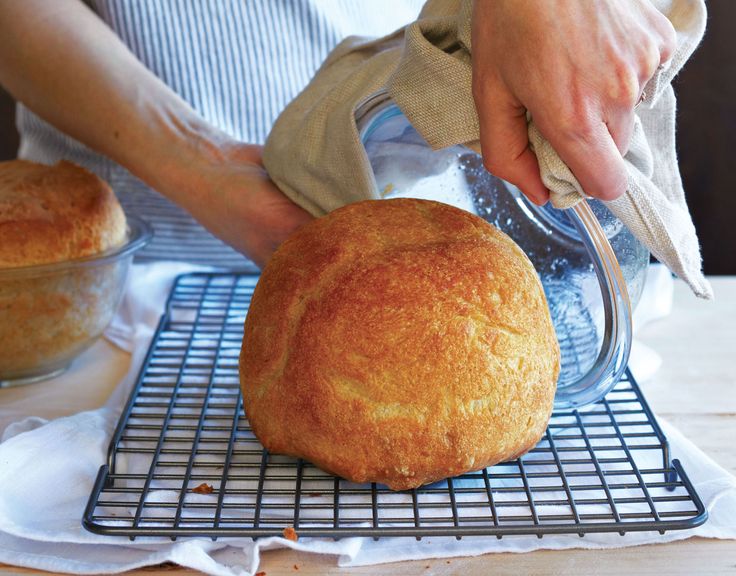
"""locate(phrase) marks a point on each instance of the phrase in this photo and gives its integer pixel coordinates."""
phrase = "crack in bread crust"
(399, 341)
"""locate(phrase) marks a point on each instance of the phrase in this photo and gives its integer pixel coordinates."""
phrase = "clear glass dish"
(591, 266)
(51, 313)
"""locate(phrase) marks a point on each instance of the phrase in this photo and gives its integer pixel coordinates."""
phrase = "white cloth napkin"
(47, 470)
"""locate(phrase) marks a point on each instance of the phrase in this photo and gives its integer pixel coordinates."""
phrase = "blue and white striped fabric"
(238, 63)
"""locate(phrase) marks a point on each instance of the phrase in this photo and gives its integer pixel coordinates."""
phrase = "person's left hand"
(237, 202)
(579, 67)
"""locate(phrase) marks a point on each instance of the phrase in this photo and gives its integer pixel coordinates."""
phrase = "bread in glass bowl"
(65, 248)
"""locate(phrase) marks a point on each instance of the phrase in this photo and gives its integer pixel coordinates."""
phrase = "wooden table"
(695, 389)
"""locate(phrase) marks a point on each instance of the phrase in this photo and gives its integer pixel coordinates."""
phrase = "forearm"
(66, 65)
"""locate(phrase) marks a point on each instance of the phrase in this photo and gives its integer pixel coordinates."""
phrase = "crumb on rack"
(296, 567)
(388, 189)
(290, 534)
(203, 488)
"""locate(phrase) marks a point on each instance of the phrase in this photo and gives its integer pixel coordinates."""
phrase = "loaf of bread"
(399, 341)
(55, 213)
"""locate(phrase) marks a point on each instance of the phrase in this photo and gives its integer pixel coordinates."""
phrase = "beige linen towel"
(315, 156)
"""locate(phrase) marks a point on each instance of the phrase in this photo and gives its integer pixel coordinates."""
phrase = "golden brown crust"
(55, 213)
(399, 341)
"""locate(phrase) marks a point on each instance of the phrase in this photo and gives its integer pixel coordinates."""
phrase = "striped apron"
(237, 63)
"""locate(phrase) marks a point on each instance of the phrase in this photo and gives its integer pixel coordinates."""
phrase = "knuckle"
(668, 43)
(665, 36)
(575, 124)
(649, 58)
(625, 82)
(628, 75)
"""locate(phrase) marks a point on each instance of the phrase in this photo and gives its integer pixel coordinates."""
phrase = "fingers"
(505, 144)
(621, 127)
(618, 110)
(667, 42)
(589, 150)
(593, 149)
(656, 46)
(581, 91)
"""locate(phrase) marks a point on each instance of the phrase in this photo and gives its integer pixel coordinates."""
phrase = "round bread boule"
(399, 341)
(52, 215)
(55, 213)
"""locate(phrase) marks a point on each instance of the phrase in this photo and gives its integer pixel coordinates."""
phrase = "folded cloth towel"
(315, 156)
(47, 470)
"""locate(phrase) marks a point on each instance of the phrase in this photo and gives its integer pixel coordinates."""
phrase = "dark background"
(706, 139)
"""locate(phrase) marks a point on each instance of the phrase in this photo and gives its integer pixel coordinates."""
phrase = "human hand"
(63, 62)
(579, 67)
(237, 202)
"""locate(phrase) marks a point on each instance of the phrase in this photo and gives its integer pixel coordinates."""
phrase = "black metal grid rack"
(183, 431)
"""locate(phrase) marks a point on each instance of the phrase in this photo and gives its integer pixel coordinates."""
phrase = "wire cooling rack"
(183, 460)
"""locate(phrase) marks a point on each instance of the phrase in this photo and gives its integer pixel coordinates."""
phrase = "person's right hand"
(579, 67)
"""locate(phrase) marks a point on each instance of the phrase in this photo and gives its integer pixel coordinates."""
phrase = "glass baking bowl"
(50, 313)
(591, 266)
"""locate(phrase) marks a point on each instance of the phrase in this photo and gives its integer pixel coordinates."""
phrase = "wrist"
(178, 153)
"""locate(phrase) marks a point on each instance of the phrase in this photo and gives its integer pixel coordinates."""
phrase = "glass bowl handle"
(616, 347)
